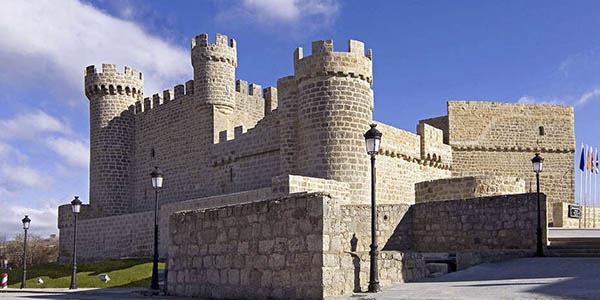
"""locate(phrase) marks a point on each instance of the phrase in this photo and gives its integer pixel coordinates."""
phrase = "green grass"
(122, 273)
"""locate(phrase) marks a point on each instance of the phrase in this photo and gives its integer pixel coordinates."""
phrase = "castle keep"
(280, 175)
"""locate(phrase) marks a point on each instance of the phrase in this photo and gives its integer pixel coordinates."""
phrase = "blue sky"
(425, 53)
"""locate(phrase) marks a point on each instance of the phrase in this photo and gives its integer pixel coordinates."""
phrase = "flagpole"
(580, 185)
(590, 195)
(595, 172)
(590, 186)
(585, 189)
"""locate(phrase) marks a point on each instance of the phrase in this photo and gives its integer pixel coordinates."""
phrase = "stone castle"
(242, 163)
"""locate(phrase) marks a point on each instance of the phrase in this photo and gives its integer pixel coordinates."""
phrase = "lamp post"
(26, 222)
(537, 162)
(76, 205)
(373, 141)
(157, 179)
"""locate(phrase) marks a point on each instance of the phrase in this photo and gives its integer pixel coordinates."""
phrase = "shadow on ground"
(572, 277)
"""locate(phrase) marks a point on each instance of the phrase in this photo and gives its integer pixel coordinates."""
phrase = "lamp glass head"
(76, 205)
(373, 140)
(26, 222)
(537, 162)
(157, 178)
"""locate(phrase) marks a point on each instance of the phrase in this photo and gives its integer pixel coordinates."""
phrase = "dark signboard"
(575, 211)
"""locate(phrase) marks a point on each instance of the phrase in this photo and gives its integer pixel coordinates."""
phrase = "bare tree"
(39, 251)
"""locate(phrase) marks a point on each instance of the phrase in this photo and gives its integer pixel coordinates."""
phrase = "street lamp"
(537, 162)
(26, 222)
(373, 141)
(76, 205)
(157, 179)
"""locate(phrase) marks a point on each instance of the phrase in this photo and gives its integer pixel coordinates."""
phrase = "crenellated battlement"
(242, 87)
(177, 93)
(110, 82)
(323, 61)
(221, 50)
(111, 69)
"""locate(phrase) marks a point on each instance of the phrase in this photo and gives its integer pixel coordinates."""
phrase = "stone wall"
(114, 237)
(269, 249)
(346, 241)
(467, 187)
(178, 135)
(298, 246)
(497, 222)
(402, 163)
(89, 228)
(248, 160)
(174, 135)
(132, 235)
(491, 138)
(440, 123)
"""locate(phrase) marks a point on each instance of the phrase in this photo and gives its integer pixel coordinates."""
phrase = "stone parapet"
(268, 249)
(130, 83)
(99, 226)
(290, 184)
(214, 72)
(323, 61)
(221, 50)
(432, 145)
(496, 222)
(467, 187)
(99, 238)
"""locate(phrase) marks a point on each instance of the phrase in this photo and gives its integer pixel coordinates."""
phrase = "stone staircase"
(573, 242)
(438, 264)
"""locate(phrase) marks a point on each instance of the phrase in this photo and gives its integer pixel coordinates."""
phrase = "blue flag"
(582, 160)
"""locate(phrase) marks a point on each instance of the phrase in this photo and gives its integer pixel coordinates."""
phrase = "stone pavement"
(81, 294)
(525, 278)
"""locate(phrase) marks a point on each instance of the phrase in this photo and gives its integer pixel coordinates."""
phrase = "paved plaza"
(525, 278)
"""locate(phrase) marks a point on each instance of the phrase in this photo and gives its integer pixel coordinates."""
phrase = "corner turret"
(111, 95)
(335, 105)
(214, 71)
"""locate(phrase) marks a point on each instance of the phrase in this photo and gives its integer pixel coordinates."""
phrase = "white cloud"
(43, 220)
(586, 97)
(304, 15)
(26, 176)
(533, 100)
(5, 149)
(27, 126)
(75, 152)
(572, 101)
(58, 39)
(283, 10)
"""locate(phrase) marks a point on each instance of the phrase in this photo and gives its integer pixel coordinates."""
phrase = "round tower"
(214, 71)
(111, 96)
(335, 106)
